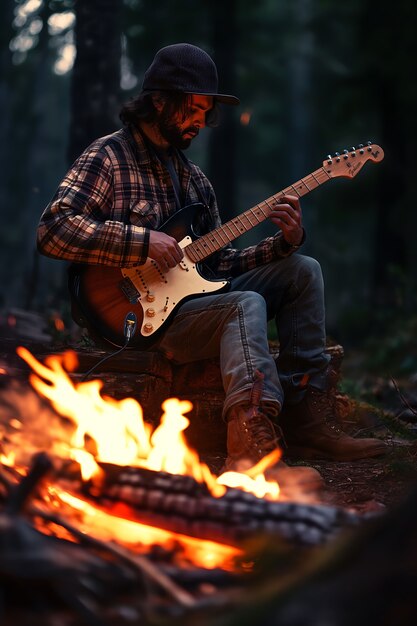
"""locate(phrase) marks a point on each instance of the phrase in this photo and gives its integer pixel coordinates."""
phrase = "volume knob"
(150, 297)
(150, 312)
(148, 328)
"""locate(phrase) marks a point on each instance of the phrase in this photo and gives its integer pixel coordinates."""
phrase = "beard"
(174, 135)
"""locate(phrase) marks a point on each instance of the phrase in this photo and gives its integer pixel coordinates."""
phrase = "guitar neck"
(216, 239)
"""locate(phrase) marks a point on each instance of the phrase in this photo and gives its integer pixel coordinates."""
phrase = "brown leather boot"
(250, 437)
(312, 432)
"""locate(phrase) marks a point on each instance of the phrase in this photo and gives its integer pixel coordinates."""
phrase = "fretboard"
(216, 239)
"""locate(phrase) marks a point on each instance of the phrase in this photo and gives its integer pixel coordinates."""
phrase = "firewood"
(182, 505)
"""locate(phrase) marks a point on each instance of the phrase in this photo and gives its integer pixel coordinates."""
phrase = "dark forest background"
(313, 76)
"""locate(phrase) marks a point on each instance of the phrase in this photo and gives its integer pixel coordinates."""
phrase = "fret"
(317, 181)
(246, 214)
(220, 230)
(227, 225)
(235, 226)
(325, 175)
(204, 242)
(304, 180)
(302, 188)
(265, 215)
(200, 252)
(271, 208)
(255, 214)
(245, 228)
(295, 191)
(235, 221)
(192, 252)
(214, 239)
(246, 223)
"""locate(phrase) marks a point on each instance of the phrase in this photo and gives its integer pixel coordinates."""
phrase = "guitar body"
(105, 295)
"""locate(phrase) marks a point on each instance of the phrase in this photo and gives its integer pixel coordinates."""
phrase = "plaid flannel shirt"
(116, 192)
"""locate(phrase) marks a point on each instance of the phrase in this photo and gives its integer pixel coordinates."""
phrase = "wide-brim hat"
(185, 68)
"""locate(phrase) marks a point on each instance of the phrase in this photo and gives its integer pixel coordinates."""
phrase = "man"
(108, 209)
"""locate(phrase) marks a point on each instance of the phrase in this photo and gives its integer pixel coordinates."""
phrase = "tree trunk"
(96, 74)
(222, 149)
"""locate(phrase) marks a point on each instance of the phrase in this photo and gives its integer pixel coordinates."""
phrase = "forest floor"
(367, 485)
(380, 407)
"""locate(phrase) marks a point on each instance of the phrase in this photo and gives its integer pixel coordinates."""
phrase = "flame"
(202, 552)
(123, 437)
(8, 459)
(114, 431)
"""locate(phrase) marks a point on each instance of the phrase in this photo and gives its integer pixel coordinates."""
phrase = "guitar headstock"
(350, 162)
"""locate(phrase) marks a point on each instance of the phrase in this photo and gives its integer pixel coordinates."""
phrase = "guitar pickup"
(129, 290)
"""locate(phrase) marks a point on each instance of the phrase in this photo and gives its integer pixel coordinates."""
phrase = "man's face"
(180, 132)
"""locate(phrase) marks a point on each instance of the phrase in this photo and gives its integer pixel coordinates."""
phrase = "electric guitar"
(107, 295)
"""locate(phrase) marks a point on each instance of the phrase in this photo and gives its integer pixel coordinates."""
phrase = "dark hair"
(142, 108)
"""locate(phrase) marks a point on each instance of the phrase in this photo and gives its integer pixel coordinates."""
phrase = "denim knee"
(252, 302)
(309, 269)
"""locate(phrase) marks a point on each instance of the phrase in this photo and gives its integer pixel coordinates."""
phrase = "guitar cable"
(129, 329)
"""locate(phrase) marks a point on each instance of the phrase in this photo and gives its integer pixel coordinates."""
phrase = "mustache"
(191, 129)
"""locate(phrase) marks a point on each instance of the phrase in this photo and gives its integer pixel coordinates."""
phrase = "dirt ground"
(368, 485)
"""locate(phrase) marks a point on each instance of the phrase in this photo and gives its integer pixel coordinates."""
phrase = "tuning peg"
(361, 150)
(353, 148)
(360, 145)
(345, 153)
(369, 144)
(353, 153)
(329, 159)
(337, 155)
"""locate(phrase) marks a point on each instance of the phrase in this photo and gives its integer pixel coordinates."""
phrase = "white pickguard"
(159, 293)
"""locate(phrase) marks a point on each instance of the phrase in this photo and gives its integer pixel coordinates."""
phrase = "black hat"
(185, 68)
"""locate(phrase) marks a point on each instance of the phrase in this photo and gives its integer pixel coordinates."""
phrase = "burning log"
(45, 569)
(182, 505)
(85, 575)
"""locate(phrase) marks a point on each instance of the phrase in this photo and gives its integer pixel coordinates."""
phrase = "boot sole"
(312, 453)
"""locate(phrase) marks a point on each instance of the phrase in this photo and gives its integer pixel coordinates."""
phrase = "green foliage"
(395, 350)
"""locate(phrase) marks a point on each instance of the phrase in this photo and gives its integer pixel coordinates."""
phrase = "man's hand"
(164, 250)
(287, 215)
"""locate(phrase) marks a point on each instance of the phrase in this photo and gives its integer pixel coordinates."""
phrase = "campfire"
(110, 476)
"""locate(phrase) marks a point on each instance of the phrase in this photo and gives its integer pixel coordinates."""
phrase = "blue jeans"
(232, 326)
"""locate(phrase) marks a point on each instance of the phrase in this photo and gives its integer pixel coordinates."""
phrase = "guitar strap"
(205, 215)
(167, 160)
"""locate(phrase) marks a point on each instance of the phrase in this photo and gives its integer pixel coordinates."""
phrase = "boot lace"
(261, 430)
(323, 403)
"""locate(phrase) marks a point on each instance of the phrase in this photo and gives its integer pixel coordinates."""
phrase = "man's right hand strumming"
(164, 249)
